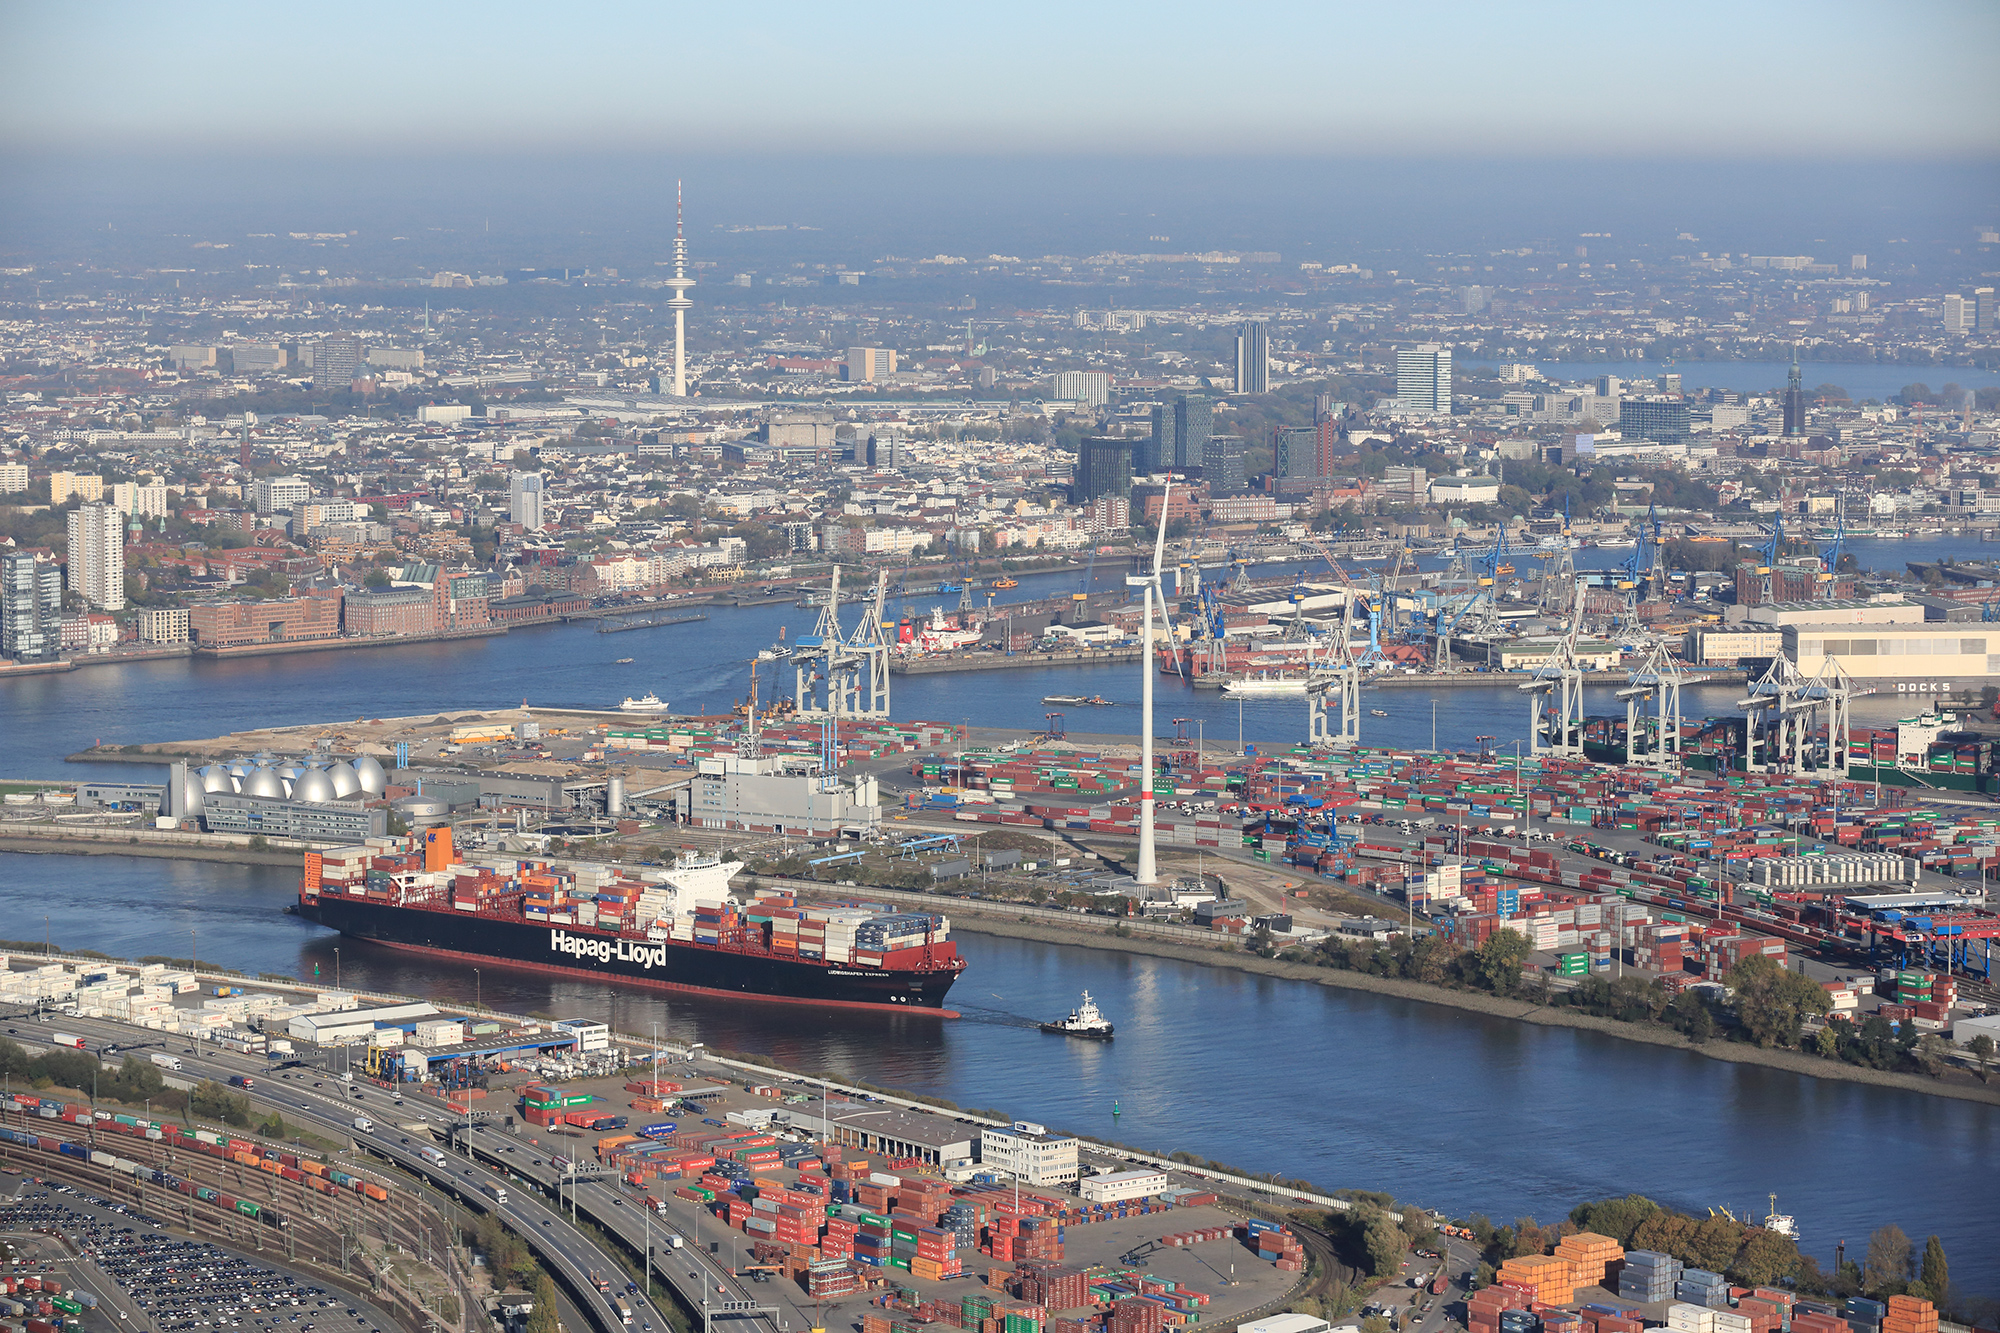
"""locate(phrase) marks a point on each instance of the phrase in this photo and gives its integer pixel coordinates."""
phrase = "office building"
(868, 364)
(1660, 418)
(271, 494)
(1028, 1153)
(1423, 379)
(13, 478)
(30, 608)
(1103, 467)
(1158, 450)
(1983, 313)
(1222, 465)
(888, 451)
(336, 363)
(525, 500)
(1253, 359)
(1301, 452)
(1958, 315)
(1194, 421)
(1091, 387)
(256, 358)
(97, 556)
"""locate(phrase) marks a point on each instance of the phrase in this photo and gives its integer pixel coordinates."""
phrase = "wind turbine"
(1147, 873)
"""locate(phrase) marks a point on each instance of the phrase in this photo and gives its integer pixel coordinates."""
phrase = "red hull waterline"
(488, 960)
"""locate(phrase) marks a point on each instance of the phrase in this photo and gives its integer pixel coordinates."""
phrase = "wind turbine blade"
(1167, 624)
(1160, 536)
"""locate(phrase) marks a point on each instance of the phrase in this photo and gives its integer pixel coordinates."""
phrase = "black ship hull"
(1088, 1034)
(580, 951)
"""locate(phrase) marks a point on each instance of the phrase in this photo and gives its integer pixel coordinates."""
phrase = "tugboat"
(1084, 1021)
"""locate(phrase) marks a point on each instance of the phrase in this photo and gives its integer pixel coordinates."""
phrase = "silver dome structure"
(240, 769)
(373, 780)
(264, 782)
(217, 778)
(314, 785)
(193, 787)
(346, 782)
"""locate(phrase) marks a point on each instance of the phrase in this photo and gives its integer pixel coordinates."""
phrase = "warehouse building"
(1912, 658)
(894, 1132)
(346, 1026)
(1118, 1186)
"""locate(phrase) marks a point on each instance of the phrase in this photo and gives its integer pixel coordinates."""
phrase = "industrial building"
(892, 1131)
(779, 796)
(345, 1026)
(329, 821)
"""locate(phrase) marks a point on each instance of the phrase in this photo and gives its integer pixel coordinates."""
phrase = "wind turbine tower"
(1148, 872)
(679, 302)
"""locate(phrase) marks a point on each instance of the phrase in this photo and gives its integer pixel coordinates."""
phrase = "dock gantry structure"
(840, 676)
(1788, 712)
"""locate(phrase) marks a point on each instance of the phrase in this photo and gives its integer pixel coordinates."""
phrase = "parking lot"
(170, 1284)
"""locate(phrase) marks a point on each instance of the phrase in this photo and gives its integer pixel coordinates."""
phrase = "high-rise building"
(86, 486)
(1081, 386)
(1299, 453)
(1222, 465)
(1423, 379)
(524, 500)
(1795, 399)
(1160, 449)
(1958, 315)
(13, 477)
(1662, 418)
(336, 363)
(1194, 421)
(30, 607)
(1103, 467)
(1983, 313)
(868, 364)
(1253, 359)
(97, 555)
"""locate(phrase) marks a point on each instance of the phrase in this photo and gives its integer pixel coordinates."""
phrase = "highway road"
(331, 1107)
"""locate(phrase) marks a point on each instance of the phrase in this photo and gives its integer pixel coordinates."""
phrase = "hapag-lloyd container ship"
(676, 929)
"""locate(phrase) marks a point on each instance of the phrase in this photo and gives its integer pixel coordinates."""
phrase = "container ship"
(675, 928)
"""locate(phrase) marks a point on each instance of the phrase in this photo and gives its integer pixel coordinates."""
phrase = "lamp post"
(336, 970)
(478, 989)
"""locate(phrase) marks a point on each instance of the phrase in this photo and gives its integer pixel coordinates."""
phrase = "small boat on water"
(620, 661)
(1075, 699)
(1086, 1020)
(1378, 712)
(1004, 582)
(652, 703)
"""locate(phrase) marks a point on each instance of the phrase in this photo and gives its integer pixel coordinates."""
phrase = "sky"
(1700, 79)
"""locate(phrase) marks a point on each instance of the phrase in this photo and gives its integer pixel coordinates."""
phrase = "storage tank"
(264, 782)
(421, 811)
(346, 782)
(315, 784)
(373, 780)
(614, 796)
(217, 778)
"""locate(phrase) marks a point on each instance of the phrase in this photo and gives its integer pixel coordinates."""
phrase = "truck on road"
(68, 1039)
(363, 1124)
(165, 1061)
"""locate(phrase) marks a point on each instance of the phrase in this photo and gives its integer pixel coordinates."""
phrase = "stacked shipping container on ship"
(676, 928)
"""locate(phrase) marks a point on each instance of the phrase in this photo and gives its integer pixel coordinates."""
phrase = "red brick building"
(313, 615)
(391, 612)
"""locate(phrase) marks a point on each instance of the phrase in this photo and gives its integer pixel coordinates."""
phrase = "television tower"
(679, 303)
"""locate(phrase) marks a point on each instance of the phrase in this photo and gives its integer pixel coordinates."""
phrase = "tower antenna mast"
(679, 302)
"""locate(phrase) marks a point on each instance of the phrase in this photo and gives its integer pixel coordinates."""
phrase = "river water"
(1444, 1108)
(1346, 1089)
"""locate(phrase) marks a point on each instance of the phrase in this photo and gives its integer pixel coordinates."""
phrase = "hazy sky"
(1702, 78)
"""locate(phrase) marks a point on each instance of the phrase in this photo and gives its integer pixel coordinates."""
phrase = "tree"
(213, 1100)
(1887, 1267)
(543, 1318)
(377, 580)
(1981, 1047)
(1716, 1242)
(1385, 1245)
(1772, 1001)
(1933, 1053)
(1765, 1257)
(1935, 1277)
(1498, 960)
(1616, 1218)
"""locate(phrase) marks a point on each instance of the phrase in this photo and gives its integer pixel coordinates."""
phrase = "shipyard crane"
(1786, 711)
(1829, 555)
(1769, 551)
(841, 676)
(1555, 696)
(1652, 697)
(1341, 679)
